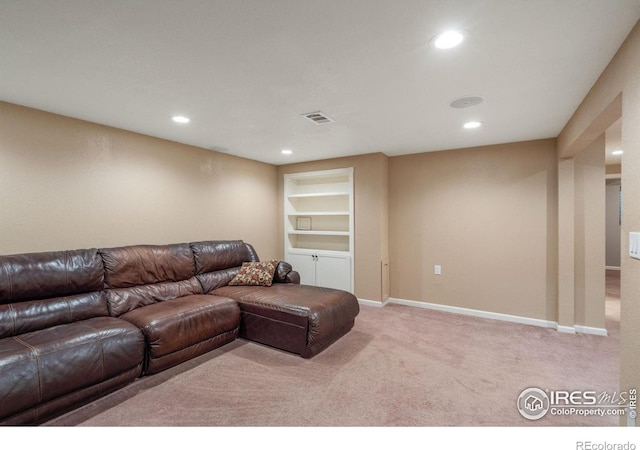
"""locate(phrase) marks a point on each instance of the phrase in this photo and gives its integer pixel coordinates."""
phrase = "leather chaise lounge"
(297, 318)
(77, 325)
(292, 317)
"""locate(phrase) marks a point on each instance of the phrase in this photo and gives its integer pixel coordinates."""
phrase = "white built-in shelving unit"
(318, 226)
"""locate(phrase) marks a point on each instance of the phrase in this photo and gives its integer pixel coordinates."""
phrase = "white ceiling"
(245, 71)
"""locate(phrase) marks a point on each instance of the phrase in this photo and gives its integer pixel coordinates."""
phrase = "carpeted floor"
(399, 366)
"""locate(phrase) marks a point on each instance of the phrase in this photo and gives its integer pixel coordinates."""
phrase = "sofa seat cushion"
(298, 318)
(185, 327)
(41, 366)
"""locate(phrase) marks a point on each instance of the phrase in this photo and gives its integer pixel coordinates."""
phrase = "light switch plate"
(634, 245)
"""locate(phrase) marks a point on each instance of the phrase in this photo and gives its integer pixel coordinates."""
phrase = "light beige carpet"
(399, 366)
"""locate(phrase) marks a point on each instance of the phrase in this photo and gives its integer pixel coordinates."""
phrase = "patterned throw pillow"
(255, 274)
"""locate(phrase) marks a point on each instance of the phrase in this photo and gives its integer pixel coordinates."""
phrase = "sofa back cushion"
(40, 290)
(218, 262)
(210, 256)
(140, 275)
(136, 265)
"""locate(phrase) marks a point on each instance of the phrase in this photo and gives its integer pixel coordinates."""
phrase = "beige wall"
(617, 94)
(67, 183)
(613, 169)
(582, 239)
(566, 244)
(371, 188)
(590, 236)
(487, 215)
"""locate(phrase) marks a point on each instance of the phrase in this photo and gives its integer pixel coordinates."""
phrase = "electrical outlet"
(437, 270)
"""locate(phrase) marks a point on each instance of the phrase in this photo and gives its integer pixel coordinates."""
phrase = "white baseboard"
(477, 313)
(498, 316)
(612, 267)
(566, 329)
(364, 301)
(591, 330)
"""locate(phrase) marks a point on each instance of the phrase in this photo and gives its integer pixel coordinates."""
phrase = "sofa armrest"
(285, 274)
(293, 277)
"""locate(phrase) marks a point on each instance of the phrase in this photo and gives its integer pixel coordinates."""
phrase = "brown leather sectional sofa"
(76, 325)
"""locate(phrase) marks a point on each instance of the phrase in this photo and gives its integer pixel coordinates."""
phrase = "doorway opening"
(613, 233)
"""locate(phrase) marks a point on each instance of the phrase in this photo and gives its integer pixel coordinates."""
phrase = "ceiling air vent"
(466, 102)
(318, 118)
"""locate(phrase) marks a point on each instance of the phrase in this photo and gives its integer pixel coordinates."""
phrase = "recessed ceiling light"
(181, 119)
(473, 124)
(617, 152)
(286, 152)
(448, 39)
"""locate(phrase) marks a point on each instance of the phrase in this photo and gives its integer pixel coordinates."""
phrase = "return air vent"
(318, 118)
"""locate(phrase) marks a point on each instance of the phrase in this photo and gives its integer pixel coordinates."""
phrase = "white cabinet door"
(333, 272)
(325, 270)
(305, 265)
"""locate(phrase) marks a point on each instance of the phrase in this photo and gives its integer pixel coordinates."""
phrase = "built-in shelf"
(316, 213)
(319, 223)
(321, 233)
(318, 194)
